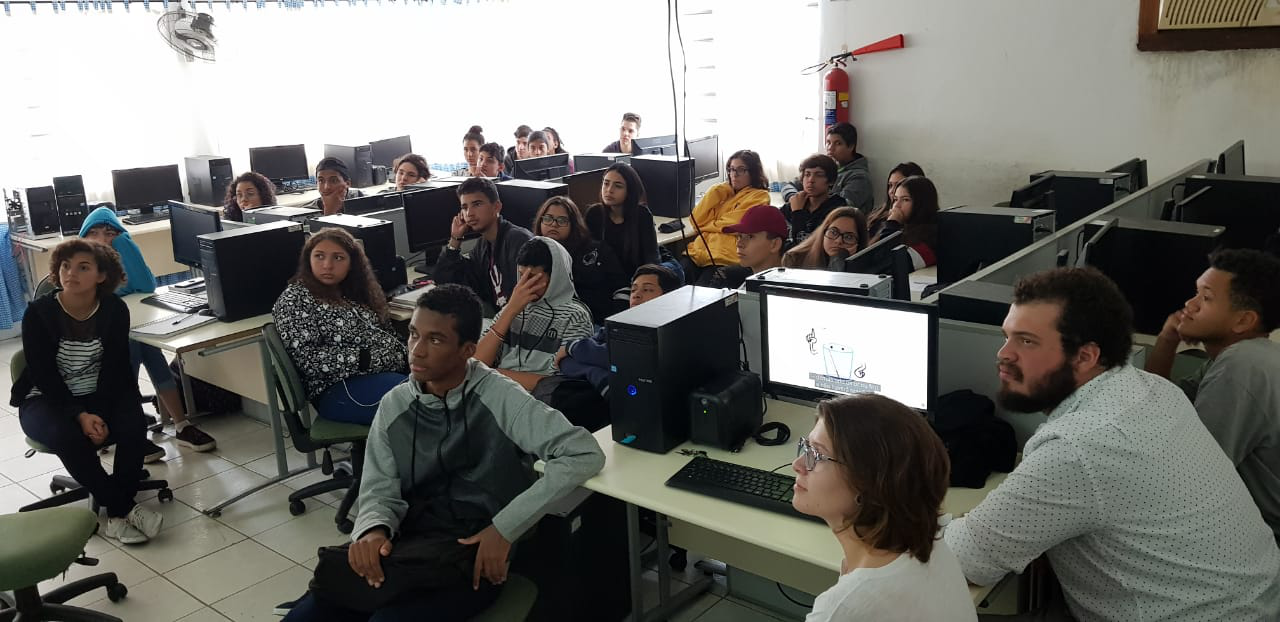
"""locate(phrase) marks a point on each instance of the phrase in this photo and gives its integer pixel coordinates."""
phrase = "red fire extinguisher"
(835, 96)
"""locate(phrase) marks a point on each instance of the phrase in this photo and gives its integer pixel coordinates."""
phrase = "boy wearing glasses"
(808, 208)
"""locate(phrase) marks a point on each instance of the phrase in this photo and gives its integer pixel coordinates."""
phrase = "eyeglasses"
(811, 455)
(849, 238)
(739, 170)
(559, 221)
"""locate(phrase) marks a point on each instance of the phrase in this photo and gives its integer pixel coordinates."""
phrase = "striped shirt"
(79, 357)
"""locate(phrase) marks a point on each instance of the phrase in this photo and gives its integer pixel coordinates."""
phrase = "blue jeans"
(157, 367)
(437, 606)
(355, 400)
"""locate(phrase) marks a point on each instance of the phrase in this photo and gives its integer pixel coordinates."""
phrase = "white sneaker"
(120, 529)
(144, 520)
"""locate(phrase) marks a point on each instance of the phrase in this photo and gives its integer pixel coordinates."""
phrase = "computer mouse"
(205, 312)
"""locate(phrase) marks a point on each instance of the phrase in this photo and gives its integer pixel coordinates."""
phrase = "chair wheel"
(296, 508)
(678, 561)
(164, 495)
(56, 489)
(116, 592)
(345, 526)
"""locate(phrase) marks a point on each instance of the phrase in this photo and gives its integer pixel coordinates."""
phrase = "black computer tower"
(521, 198)
(276, 213)
(207, 179)
(246, 269)
(1077, 194)
(661, 351)
(68, 194)
(378, 238)
(359, 161)
(578, 558)
(668, 184)
(42, 212)
(593, 161)
(979, 302)
(972, 238)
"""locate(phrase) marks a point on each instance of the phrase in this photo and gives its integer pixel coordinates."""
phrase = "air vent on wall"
(1200, 14)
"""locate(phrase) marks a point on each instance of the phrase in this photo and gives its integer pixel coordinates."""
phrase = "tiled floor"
(238, 565)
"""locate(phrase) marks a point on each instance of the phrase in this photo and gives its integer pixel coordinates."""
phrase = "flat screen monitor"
(1136, 169)
(428, 216)
(187, 221)
(280, 163)
(706, 157)
(1231, 161)
(144, 188)
(373, 203)
(386, 151)
(1036, 195)
(887, 257)
(542, 168)
(584, 187)
(1247, 205)
(657, 145)
(821, 344)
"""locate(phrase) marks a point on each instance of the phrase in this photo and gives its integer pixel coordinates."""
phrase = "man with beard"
(1138, 511)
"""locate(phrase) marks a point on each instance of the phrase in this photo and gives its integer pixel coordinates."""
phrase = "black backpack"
(977, 441)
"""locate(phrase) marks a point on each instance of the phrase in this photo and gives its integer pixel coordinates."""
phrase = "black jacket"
(641, 250)
(597, 273)
(616, 147)
(40, 334)
(473, 271)
(804, 223)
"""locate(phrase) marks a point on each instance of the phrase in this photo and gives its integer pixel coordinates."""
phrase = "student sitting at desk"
(521, 149)
(409, 168)
(723, 205)
(597, 273)
(332, 318)
(103, 227)
(761, 235)
(1237, 391)
(842, 233)
(248, 191)
(541, 317)
(448, 481)
(539, 145)
(622, 220)
(896, 175)
(490, 270)
(853, 178)
(627, 133)
(471, 142)
(490, 162)
(810, 206)
(915, 214)
(1140, 513)
(588, 358)
(876, 472)
(553, 140)
(76, 392)
(334, 183)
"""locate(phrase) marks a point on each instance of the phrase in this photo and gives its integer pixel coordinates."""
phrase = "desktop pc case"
(668, 183)
(971, 238)
(1077, 194)
(68, 194)
(41, 210)
(276, 213)
(246, 269)
(592, 161)
(359, 161)
(207, 179)
(521, 198)
(378, 238)
(659, 352)
(979, 302)
(577, 556)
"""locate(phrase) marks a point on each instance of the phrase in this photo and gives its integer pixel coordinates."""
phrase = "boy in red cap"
(762, 235)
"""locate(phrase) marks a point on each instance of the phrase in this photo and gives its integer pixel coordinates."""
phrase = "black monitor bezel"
(714, 172)
(522, 169)
(170, 170)
(176, 206)
(410, 202)
(373, 145)
(306, 171)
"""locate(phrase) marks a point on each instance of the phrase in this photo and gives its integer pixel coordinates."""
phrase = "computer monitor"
(1231, 161)
(705, 152)
(543, 168)
(1198, 204)
(428, 216)
(187, 221)
(1136, 169)
(280, 163)
(1035, 195)
(820, 344)
(144, 188)
(1247, 205)
(584, 187)
(372, 203)
(668, 184)
(883, 257)
(657, 145)
(386, 151)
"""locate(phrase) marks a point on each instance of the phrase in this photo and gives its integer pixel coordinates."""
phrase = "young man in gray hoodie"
(449, 462)
(853, 177)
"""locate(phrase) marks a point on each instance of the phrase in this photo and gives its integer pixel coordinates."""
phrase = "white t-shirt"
(904, 590)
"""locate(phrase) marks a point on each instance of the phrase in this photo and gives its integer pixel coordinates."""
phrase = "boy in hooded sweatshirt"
(102, 226)
(448, 474)
(541, 317)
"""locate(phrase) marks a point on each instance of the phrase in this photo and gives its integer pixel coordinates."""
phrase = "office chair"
(65, 489)
(52, 539)
(321, 435)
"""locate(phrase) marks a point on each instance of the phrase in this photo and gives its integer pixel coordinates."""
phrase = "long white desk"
(791, 551)
(153, 240)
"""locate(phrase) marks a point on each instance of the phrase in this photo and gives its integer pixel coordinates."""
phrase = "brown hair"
(579, 235)
(107, 258)
(266, 191)
(360, 285)
(820, 161)
(809, 252)
(632, 117)
(1092, 310)
(418, 162)
(755, 167)
(896, 465)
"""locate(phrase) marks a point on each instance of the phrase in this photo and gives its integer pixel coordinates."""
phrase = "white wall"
(989, 91)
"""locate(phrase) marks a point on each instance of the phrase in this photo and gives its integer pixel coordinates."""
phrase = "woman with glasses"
(842, 233)
(876, 472)
(597, 272)
(723, 206)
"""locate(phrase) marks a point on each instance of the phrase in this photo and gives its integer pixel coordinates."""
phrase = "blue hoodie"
(139, 277)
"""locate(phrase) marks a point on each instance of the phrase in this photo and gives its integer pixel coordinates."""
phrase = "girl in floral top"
(333, 320)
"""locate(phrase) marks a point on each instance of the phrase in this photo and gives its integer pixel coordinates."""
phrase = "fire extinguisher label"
(829, 99)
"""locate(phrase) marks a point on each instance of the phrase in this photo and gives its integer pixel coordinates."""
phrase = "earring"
(857, 500)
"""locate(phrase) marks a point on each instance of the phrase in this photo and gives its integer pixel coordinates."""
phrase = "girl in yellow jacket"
(722, 206)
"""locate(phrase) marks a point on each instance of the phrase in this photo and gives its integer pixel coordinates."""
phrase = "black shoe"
(152, 452)
(284, 608)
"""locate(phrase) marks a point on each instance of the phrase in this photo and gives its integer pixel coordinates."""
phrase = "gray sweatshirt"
(853, 182)
(461, 463)
(557, 319)
(1237, 396)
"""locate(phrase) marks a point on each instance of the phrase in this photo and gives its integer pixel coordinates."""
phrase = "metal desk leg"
(188, 395)
(668, 603)
(633, 562)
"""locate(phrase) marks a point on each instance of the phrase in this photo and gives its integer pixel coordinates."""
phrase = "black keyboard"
(142, 219)
(177, 301)
(739, 484)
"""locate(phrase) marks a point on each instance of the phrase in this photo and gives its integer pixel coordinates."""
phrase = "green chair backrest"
(290, 389)
(17, 364)
(45, 286)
